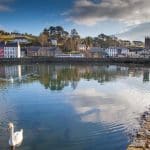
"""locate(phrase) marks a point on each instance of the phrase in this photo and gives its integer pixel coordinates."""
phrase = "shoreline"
(144, 61)
(141, 140)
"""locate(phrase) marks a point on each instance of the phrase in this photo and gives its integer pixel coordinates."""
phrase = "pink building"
(1, 50)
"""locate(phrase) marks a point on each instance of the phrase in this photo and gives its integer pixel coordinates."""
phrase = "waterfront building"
(83, 47)
(144, 53)
(136, 52)
(133, 54)
(97, 52)
(32, 51)
(48, 51)
(43, 51)
(117, 52)
(147, 42)
(12, 50)
(140, 53)
(23, 52)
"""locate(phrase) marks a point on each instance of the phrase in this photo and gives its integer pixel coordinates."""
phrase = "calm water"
(68, 107)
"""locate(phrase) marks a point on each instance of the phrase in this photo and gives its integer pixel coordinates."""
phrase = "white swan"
(16, 138)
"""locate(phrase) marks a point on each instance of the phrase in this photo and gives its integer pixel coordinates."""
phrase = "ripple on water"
(99, 132)
(7, 112)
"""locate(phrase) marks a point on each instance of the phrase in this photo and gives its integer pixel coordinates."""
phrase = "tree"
(2, 32)
(59, 30)
(43, 39)
(52, 30)
(57, 33)
(74, 33)
(46, 32)
(88, 42)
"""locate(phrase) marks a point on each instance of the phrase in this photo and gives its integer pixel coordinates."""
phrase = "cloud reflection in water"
(119, 102)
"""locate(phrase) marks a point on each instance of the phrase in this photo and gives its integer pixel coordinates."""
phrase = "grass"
(11, 37)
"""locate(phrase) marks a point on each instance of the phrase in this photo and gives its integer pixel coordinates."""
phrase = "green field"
(11, 37)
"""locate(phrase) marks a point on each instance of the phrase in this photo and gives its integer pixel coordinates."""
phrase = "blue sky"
(89, 17)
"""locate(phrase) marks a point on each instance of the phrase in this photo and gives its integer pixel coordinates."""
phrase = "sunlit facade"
(12, 50)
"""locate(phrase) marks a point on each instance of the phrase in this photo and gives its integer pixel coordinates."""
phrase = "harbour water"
(73, 107)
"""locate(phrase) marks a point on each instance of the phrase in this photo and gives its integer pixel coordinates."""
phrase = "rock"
(147, 133)
(141, 135)
(139, 143)
(147, 119)
(134, 148)
(142, 138)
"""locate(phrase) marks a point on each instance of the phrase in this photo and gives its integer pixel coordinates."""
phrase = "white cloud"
(137, 32)
(130, 12)
(88, 92)
(120, 102)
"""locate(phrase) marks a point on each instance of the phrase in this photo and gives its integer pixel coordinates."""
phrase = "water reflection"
(56, 77)
(71, 107)
(146, 76)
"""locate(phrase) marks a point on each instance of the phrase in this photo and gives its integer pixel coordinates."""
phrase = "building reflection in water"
(7, 72)
(56, 77)
(19, 72)
(146, 76)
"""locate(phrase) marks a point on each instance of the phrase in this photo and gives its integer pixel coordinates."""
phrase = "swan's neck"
(11, 132)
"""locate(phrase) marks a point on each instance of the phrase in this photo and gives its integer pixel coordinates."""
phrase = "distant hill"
(12, 37)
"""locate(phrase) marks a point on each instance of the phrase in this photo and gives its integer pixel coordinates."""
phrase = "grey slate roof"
(2, 44)
(11, 45)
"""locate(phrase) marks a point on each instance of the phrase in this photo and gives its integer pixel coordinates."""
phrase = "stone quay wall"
(74, 60)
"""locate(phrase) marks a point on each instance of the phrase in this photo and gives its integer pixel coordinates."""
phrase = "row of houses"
(128, 52)
(117, 52)
(14, 50)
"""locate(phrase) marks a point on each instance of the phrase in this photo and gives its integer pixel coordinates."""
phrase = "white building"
(54, 42)
(139, 53)
(12, 50)
(117, 52)
(83, 47)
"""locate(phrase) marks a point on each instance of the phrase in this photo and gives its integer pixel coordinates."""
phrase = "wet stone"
(142, 138)
(133, 148)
